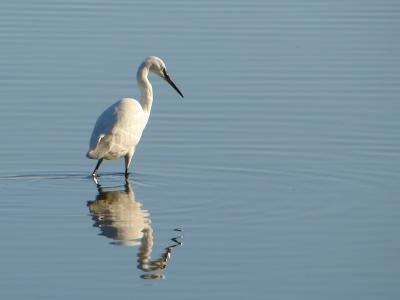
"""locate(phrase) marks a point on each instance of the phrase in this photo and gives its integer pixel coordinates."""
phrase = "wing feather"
(117, 130)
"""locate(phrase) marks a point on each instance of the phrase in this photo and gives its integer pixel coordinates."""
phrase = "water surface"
(276, 177)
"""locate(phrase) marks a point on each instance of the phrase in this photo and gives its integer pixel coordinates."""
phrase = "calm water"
(277, 177)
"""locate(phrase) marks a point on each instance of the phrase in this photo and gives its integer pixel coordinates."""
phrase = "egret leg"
(128, 159)
(97, 167)
(127, 163)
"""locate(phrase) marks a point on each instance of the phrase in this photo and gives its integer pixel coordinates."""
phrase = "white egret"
(119, 128)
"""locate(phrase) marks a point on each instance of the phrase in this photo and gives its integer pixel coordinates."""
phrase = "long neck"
(145, 88)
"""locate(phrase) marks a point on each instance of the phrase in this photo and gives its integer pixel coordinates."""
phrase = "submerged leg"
(128, 159)
(97, 167)
(127, 163)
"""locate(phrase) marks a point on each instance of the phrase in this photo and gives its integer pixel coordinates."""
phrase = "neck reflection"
(120, 217)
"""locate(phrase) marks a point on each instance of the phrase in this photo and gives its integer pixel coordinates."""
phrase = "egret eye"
(164, 71)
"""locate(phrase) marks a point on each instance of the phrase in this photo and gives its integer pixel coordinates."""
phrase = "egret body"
(119, 128)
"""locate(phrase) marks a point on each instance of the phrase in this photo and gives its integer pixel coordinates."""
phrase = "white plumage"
(119, 128)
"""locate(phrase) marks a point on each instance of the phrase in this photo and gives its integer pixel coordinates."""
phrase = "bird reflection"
(123, 219)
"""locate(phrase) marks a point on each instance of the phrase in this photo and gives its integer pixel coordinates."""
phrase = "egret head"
(157, 66)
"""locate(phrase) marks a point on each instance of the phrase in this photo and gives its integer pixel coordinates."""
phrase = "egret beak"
(169, 80)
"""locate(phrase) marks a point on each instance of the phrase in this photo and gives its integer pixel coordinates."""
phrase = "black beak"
(169, 80)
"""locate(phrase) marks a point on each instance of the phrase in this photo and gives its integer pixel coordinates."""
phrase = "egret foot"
(94, 177)
(94, 174)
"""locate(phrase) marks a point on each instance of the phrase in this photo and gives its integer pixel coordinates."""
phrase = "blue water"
(276, 177)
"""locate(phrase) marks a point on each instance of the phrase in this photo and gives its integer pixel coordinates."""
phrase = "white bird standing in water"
(119, 128)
